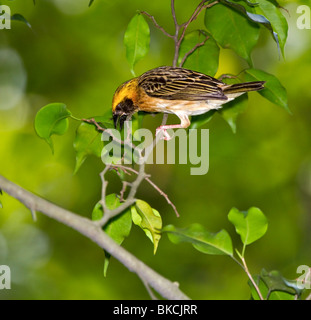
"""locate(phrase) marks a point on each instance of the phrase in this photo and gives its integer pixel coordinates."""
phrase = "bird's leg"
(185, 123)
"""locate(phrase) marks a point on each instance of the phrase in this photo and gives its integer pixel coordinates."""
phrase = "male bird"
(177, 91)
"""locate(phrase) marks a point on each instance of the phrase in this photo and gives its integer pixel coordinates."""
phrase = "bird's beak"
(122, 119)
(115, 119)
(119, 118)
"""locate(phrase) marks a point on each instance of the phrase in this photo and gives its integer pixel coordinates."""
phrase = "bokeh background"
(75, 54)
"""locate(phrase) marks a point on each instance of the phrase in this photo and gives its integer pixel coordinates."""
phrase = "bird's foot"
(163, 134)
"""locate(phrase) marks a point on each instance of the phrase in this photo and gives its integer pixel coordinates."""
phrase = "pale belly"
(191, 108)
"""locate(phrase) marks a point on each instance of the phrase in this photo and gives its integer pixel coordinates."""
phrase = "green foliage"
(231, 110)
(274, 286)
(136, 40)
(52, 119)
(117, 228)
(149, 220)
(88, 139)
(264, 13)
(234, 25)
(198, 59)
(251, 225)
(20, 18)
(225, 25)
(276, 19)
(274, 91)
(201, 120)
(204, 241)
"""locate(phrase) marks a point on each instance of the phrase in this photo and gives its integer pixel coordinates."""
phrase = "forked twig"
(147, 178)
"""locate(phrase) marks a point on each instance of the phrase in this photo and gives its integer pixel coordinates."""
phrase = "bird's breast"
(172, 106)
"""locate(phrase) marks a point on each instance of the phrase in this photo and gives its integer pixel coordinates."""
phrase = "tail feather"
(244, 87)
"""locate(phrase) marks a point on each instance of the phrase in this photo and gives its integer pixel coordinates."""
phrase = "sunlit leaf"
(277, 20)
(265, 13)
(205, 58)
(273, 91)
(204, 241)
(251, 225)
(52, 119)
(149, 220)
(136, 40)
(232, 30)
(118, 228)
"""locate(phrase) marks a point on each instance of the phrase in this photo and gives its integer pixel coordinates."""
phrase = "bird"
(174, 90)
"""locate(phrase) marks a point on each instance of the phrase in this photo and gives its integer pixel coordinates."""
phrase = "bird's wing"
(181, 84)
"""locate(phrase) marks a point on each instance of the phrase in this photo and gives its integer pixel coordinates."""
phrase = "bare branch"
(162, 193)
(91, 230)
(184, 26)
(152, 18)
(108, 214)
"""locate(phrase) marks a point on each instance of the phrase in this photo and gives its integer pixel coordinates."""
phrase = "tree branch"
(93, 231)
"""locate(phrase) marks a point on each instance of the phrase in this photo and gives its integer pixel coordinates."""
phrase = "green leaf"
(232, 30)
(20, 18)
(204, 241)
(231, 110)
(205, 58)
(266, 14)
(274, 91)
(149, 220)
(279, 288)
(52, 119)
(88, 140)
(276, 19)
(201, 120)
(91, 2)
(136, 40)
(251, 225)
(118, 228)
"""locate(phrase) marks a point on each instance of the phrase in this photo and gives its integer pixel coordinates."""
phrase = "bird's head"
(124, 102)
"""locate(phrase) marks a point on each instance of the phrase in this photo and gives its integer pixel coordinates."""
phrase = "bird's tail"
(243, 87)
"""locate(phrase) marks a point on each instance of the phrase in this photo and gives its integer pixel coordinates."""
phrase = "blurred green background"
(75, 54)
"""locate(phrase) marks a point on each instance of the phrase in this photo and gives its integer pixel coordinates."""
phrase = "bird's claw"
(164, 135)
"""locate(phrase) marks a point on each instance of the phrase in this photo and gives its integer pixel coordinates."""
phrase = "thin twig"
(156, 24)
(149, 290)
(162, 193)
(251, 278)
(192, 50)
(124, 186)
(104, 187)
(109, 214)
(126, 143)
(184, 26)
